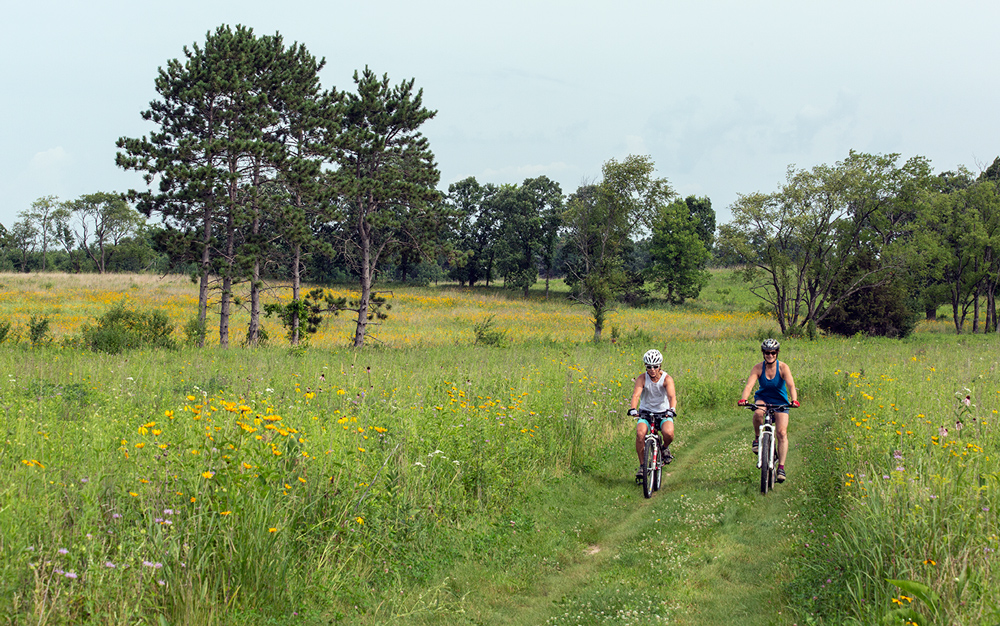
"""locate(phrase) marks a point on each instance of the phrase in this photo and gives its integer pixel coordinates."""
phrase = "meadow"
(331, 485)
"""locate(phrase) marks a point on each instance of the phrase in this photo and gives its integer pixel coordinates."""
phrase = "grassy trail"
(692, 554)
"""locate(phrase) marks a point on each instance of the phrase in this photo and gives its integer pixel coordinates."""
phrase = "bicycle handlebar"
(777, 408)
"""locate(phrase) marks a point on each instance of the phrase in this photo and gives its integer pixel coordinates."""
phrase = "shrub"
(124, 328)
(4, 330)
(489, 335)
(38, 330)
(194, 331)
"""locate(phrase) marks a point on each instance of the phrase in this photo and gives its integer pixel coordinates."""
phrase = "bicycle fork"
(765, 429)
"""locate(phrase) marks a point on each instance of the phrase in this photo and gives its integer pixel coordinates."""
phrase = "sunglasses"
(652, 367)
(770, 352)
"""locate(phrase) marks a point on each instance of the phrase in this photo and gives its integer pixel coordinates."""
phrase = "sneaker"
(667, 457)
(638, 473)
(755, 446)
(781, 475)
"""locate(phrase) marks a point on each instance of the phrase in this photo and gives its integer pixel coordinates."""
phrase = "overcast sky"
(723, 95)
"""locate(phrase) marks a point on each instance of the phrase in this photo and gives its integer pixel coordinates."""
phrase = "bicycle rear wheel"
(648, 468)
(766, 467)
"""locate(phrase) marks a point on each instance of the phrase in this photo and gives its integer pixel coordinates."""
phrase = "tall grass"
(916, 451)
(190, 483)
(238, 486)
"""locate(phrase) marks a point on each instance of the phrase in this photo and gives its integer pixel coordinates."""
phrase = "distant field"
(435, 315)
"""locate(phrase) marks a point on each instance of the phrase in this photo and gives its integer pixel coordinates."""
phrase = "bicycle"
(767, 451)
(652, 458)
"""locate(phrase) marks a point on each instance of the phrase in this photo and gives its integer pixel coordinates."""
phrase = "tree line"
(255, 172)
(869, 244)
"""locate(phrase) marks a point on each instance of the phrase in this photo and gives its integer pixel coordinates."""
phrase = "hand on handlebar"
(741, 402)
(633, 413)
(671, 413)
(795, 404)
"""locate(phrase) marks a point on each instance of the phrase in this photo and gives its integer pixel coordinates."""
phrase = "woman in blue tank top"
(775, 385)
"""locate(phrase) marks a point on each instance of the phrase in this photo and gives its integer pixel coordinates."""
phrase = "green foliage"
(38, 330)
(881, 311)
(123, 328)
(678, 253)
(601, 220)
(487, 334)
(528, 220)
(5, 327)
(386, 178)
(800, 244)
(194, 331)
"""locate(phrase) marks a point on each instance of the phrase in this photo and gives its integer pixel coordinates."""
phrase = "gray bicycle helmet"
(653, 357)
(770, 345)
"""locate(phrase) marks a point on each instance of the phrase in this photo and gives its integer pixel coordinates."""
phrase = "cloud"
(516, 172)
(49, 160)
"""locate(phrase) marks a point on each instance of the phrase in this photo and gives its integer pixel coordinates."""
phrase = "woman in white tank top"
(653, 393)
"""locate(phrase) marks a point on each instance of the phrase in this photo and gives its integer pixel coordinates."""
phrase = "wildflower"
(930, 562)
(70, 574)
(225, 512)
(272, 530)
(942, 431)
(207, 474)
(359, 520)
(109, 565)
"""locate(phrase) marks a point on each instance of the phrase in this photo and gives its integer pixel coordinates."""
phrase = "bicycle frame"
(767, 437)
(654, 420)
(653, 468)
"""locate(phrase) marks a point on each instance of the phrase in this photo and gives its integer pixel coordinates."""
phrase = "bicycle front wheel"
(658, 472)
(648, 468)
(766, 466)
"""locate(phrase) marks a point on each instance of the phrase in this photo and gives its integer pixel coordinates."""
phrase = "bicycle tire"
(772, 475)
(648, 467)
(658, 472)
(767, 453)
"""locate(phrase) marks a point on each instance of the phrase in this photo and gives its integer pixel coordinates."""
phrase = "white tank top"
(654, 395)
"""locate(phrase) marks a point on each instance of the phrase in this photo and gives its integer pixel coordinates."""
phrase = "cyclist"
(776, 386)
(654, 393)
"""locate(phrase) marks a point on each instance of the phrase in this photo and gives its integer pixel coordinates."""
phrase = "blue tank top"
(772, 390)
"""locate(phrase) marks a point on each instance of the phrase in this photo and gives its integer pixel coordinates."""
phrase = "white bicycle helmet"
(770, 345)
(653, 358)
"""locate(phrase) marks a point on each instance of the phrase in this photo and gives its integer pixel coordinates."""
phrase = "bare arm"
(786, 375)
(671, 393)
(640, 382)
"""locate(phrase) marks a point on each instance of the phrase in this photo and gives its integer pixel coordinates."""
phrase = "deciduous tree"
(600, 219)
(678, 252)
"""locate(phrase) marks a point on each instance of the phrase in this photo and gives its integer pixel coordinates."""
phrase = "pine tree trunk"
(296, 287)
(206, 266)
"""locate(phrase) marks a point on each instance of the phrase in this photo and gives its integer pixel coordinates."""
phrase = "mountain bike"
(653, 455)
(767, 451)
